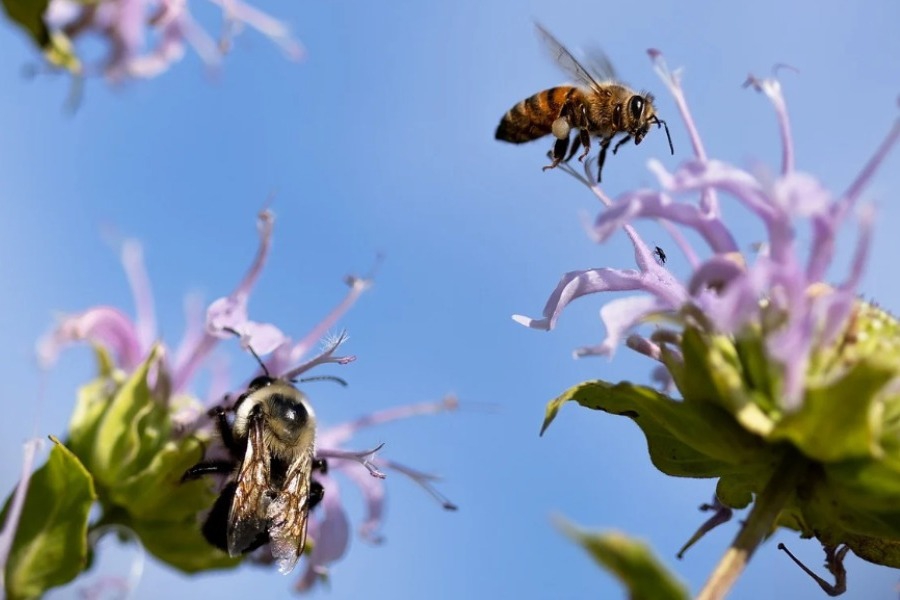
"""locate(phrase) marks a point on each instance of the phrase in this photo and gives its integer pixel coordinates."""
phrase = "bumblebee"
(270, 490)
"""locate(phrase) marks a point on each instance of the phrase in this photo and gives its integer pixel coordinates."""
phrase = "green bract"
(631, 561)
(121, 451)
(57, 48)
(50, 545)
(727, 425)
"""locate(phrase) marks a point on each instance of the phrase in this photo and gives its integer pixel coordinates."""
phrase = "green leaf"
(50, 546)
(631, 561)
(182, 545)
(837, 422)
(29, 15)
(685, 439)
(875, 550)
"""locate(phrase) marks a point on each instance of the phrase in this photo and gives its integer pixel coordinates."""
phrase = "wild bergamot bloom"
(137, 428)
(142, 37)
(788, 384)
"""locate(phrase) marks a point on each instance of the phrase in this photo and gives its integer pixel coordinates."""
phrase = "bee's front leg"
(624, 140)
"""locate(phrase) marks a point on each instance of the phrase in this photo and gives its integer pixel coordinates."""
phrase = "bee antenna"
(663, 123)
(262, 365)
(337, 380)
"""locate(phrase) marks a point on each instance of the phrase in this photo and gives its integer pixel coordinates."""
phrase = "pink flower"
(726, 286)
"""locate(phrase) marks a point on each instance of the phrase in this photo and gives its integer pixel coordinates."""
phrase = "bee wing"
(247, 520)
(289, 513)
(600, 69)
(599, 65)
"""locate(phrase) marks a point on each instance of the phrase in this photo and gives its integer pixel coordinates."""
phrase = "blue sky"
(382, 141)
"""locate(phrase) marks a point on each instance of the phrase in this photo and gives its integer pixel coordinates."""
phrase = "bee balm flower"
(788, 384)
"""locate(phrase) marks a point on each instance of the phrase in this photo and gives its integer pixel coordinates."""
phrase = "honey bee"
(600, 107)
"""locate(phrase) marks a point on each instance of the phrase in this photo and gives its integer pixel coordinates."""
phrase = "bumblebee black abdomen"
(215, 528)
(533, 117)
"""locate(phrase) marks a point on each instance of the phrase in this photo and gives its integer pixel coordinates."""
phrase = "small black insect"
(660, 255)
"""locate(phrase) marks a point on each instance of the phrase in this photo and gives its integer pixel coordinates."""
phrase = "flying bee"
(270, 489)
(600, 107)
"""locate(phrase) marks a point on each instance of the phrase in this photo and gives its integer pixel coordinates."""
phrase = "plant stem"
(758, 525)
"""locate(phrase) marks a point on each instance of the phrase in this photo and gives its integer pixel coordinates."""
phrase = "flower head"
(779, 287)
(145, 37)
(138, 428)
(774, 364)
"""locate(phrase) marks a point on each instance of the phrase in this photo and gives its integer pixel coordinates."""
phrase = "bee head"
(260, 382)
(288, 416)
(643, 115)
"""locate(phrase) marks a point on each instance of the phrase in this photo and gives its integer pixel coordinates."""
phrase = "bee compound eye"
(636, 107)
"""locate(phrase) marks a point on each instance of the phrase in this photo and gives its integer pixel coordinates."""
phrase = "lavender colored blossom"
(145, 37)
(780, 285)
(130, 341)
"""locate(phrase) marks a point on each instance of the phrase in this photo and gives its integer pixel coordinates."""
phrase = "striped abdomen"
(533, 117)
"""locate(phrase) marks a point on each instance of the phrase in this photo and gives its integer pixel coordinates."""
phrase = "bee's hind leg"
(558, 153)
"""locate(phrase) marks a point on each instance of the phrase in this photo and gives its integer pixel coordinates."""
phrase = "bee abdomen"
(533, 117)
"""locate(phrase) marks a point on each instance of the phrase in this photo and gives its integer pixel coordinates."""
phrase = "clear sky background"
(382, 141)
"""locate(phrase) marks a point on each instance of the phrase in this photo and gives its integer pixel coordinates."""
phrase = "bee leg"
(316, 493)
(321, 465)
(584, 138)
(604, 145)
(624, 140)
(218, 413)
(575, 146)
(209, 467)
(558, 152)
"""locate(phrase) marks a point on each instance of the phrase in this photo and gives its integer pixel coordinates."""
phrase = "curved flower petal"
(136, 272)
(648, 204)
(357, 286)
(620, 316)
(372, 489)
(103, 325)
(576, 284)
(331, 533)
(717, 272)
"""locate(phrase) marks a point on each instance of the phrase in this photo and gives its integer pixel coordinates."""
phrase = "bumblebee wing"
(247, 522)
(598, 67)
(289, 513)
